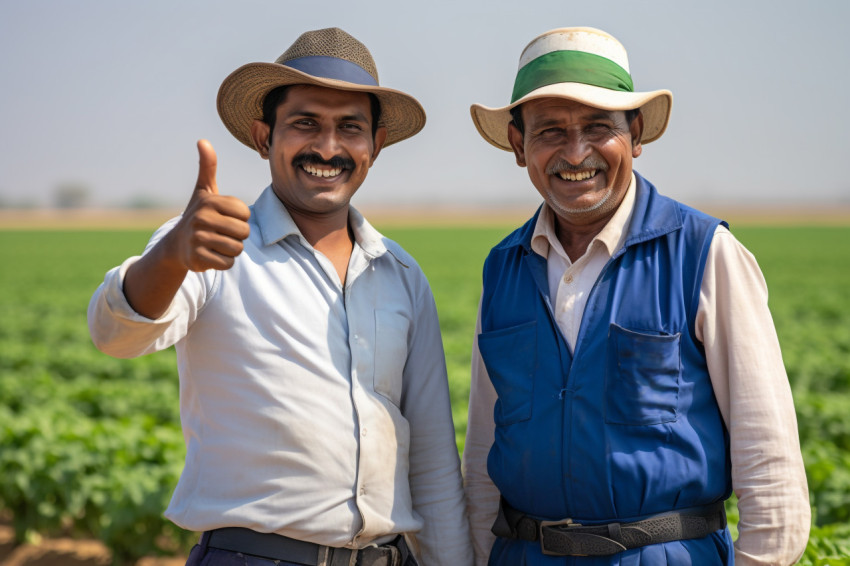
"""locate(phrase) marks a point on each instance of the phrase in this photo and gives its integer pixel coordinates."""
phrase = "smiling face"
(579, 158)
(321, 148)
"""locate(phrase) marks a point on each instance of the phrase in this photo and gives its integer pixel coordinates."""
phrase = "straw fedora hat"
(326, 57)
(582, 64)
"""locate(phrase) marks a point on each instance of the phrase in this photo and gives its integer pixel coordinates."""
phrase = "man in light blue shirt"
(313, 390)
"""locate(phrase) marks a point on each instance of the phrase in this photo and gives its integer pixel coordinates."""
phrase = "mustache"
(562, 166)
(335, 162)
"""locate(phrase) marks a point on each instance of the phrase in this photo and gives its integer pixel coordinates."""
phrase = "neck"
(575, 238)
(329, 234)
(324, 230)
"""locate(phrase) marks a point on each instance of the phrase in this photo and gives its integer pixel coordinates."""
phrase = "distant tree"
(71, 195)
(143, 202)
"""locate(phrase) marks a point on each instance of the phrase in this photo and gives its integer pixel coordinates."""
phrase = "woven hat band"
(332, 68)
(571, 67)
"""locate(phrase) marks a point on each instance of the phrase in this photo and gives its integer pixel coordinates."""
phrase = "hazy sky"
(113, 95)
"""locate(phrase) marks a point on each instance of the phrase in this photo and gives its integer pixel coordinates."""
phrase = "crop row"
(91, 445)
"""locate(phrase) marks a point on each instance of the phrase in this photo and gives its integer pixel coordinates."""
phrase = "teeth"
(315, 171)
(566, 176)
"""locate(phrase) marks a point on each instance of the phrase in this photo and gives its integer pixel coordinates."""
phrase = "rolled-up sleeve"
(119, 331)
(751, 386)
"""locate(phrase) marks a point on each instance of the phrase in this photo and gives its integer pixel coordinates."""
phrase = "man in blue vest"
(626, 374)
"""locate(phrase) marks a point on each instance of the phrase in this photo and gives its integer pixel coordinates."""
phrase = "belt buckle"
(384, 555)
(562, 523)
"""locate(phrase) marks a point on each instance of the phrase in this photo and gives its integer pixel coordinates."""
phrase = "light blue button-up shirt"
(309, 409)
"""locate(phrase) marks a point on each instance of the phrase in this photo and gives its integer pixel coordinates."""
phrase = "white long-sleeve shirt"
(309, 409)
(745, 365)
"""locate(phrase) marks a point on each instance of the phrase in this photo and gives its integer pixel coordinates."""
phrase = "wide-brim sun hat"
(327, 57)
(583, 64)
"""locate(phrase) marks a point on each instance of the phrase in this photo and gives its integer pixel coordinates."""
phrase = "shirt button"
(362, 490)
(363, 432)
(568, 279)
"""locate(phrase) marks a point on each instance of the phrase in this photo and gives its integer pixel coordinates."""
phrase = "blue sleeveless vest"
(628, 425)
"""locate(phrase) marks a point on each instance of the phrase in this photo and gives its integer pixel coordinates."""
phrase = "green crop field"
(91, 446)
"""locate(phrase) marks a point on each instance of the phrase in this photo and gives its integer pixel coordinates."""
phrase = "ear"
(260, 132)
(636, 129)
(380, 139)
(516, 139)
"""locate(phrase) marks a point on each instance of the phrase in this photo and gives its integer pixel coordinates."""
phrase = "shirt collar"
(369, 239)
(272, 218)
(275, 223)
(612, 235)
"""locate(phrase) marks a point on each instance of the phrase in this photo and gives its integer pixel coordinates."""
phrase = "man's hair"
(516, 115)
(277, 96)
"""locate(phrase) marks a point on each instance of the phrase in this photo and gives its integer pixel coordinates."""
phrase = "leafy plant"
(91, 445)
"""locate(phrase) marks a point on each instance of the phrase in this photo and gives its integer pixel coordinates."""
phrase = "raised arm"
(209, 235)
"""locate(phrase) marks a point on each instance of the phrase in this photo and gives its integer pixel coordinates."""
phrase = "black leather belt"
(279, 547)
(567, 538)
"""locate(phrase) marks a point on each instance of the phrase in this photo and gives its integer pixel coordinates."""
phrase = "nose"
(575, 148)
(326, 142)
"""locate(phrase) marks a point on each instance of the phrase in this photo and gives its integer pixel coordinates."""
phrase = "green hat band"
(571, 67)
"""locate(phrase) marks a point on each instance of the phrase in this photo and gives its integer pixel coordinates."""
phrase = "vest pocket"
(510, 355)
(390, 353)
(642, 377)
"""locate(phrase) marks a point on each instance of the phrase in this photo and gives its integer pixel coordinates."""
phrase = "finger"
(207, 164)
(214, 251)
(213, 221)
(225, 246)
(233, 207)
(218, 213)
(235, 228)
(210, 259)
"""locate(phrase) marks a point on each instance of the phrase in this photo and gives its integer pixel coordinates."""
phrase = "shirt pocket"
(642, 381)
(391, 331)
(510, 356)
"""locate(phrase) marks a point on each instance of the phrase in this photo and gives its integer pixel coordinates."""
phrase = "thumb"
(207, 164)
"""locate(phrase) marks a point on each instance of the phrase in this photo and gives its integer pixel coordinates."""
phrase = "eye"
(549, 133)
(599, 130)
(304, 123)
(352, 126)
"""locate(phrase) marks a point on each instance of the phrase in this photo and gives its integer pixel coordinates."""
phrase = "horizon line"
(406, 215)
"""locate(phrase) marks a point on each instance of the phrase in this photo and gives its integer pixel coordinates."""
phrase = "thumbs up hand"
(210, 233)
